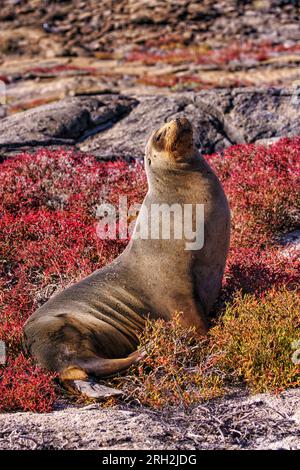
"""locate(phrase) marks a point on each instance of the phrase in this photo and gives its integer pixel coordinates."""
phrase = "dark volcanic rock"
(220, 117)
(113, 125)
(64, 122)
(260, 113)
(128, 137)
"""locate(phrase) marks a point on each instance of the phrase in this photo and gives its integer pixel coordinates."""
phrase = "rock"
(117, 126)
(291, 244)
(3, 111)
(112, 24)
(63, 122)
(237, 421)
(267, 142)
(221, 118)
(128, 137)
(155, 46)
(265, 114)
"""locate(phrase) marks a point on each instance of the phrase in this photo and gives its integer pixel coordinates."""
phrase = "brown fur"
(92, 327)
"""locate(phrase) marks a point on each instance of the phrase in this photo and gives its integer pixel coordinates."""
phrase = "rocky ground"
(117, 126)
(98, 77)
(50, 50)
(84, 27)
(236, 422)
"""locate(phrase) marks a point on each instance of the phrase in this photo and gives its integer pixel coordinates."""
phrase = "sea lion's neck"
(160, 178)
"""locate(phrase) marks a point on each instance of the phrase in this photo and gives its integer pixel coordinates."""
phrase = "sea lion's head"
(172, 145)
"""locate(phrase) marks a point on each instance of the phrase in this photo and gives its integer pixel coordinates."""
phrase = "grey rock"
(267, 142)
(113, 125)
(291, 238)
(221, 118)
(291, 244)
(128, 137)
(265, 113)
(3, 111)
(62, 123)
(237, 421)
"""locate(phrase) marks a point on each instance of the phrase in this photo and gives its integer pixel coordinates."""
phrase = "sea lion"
(91, 329)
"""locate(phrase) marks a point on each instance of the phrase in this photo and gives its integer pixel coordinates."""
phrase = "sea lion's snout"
(175, 138)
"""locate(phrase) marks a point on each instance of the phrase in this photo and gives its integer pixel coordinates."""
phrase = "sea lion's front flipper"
(92, 389)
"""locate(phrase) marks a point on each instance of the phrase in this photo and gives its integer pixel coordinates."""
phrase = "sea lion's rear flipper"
(76, 381)
(76, 378)
(100, 367)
